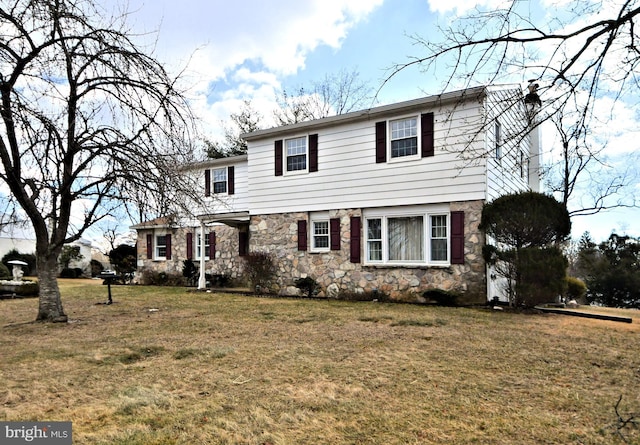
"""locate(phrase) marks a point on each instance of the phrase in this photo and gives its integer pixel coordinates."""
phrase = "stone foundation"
(277, 234)
(227, 259)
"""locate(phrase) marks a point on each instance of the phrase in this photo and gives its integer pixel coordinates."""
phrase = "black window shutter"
(207, 183)
(426, 124)
(354, 248)
(212, 245)
(189, 246)
(313, 152)
(381, 142)
(457, 237)
(243, 243)
(302, 234)
(278, 157)
(168, 254)
(149, 246)
(334, 231)
(231, 179)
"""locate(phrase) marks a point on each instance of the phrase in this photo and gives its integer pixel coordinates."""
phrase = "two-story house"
(216, 233)
(386, 199)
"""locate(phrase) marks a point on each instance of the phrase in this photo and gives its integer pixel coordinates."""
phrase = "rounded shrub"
(4, 272)
(576, 289)
(441, 297)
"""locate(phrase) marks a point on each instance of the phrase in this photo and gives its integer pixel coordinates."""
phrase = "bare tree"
(247, 120)
(579, 52)
(584, 170)
(588, 49)
(88, 119)
(334, 95)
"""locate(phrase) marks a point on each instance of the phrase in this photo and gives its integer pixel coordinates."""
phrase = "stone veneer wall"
(227, 261)
(277, 234)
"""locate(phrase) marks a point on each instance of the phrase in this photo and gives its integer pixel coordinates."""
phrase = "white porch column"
(202, 281)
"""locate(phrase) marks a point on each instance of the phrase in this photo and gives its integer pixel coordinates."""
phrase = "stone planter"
(19, 288)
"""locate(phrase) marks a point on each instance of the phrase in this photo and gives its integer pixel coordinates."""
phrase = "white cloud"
(279, 34)
(461, 7)
(242, 51)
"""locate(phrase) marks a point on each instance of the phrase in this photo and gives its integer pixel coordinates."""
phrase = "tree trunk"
(50, 304)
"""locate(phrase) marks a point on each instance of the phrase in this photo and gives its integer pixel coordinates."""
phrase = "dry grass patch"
(166, 366)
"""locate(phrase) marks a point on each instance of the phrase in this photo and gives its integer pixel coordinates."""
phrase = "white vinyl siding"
(504, 175)
(349, 177)
(225, 203)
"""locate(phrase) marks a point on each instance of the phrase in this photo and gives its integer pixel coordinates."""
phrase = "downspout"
(202, 280)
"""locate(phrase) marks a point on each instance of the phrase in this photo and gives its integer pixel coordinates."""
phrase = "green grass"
(229, 369)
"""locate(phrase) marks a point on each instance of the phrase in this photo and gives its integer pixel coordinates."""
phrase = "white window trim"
(226, 181)
(426, 212)
(497, 141)
(285, 156)
(156, 246)
(319, 217)
(418, 154)
(199, 246)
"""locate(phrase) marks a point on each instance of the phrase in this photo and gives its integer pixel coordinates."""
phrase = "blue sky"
(251, 49)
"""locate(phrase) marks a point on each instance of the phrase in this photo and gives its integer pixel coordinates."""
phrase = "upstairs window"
(524, 166)
(296, 154)
(220, 180)
(404, 137)
(497, 132)
(409, 138)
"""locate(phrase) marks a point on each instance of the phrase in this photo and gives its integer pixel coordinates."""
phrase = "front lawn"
(168, 366)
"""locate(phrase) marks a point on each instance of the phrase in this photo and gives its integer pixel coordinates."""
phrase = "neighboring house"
(387, 199)
(16, 238)
(23, 240)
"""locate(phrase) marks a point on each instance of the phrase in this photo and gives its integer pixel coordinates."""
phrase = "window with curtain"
(406, 238)
(415, 238)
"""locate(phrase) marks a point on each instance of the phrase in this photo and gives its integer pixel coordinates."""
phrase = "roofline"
(370, 113)
(215, 162)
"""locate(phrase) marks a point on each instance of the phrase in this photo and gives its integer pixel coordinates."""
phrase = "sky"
(232, 51)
